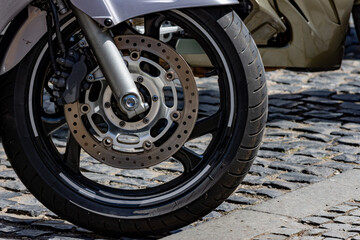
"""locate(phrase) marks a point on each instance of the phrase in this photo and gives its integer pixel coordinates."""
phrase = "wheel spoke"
(72, 154)
(53, 124)
(188, 158)
(206, 125)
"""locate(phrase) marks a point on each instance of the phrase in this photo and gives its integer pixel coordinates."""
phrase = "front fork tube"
(112, 65)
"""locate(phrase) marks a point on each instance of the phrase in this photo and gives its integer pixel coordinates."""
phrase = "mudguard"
(9, 9)
(34, 27)
(120, 10)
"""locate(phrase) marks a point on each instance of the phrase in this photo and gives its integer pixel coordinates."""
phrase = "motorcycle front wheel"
(177, 162)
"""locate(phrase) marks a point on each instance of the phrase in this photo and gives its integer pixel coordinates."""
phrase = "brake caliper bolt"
(107, 105)
(146, 120)
(82, 43)
(155, 98)
(122, 124)
(90, 78)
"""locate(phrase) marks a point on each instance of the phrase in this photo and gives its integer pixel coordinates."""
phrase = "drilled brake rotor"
(161, 131)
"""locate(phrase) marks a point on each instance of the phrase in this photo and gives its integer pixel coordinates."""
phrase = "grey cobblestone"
(315, 220)
(300, 177)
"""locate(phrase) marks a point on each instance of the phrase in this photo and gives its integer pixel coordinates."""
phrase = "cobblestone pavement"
(313, 133)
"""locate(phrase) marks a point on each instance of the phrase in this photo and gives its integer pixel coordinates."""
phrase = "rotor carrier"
(131, 143)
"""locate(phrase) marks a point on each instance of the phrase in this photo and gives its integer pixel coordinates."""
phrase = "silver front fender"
(9, 9)
(121, 10)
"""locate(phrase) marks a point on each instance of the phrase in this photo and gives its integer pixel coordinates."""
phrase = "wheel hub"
(166, 83)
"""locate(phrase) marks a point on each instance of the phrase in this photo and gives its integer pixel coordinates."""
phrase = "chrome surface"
(132, 143)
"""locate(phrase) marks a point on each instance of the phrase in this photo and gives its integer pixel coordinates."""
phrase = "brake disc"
(166, 83)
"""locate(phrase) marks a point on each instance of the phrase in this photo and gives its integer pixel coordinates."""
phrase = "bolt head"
(82, 43)
(146, 120)
(170, 76)
(90, 78)
(107, 142)
(122, 124)
(147, 145)
(107, 105)
(130, 102)
(108, 22)
(140, 79)
(155, 98)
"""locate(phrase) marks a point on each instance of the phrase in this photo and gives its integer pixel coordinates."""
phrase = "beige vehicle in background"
(305, 34)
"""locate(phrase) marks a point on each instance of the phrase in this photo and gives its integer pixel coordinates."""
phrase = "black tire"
(236, 149)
